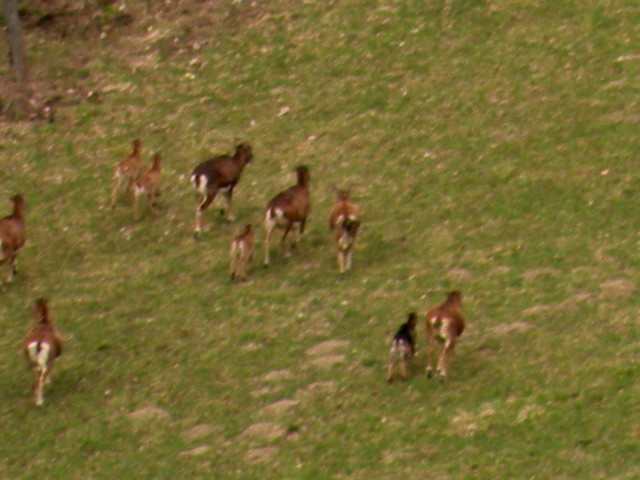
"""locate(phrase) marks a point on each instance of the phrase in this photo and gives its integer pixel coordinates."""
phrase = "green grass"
(492, 150)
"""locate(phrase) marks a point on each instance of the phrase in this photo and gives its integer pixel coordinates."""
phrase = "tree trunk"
(15, 42)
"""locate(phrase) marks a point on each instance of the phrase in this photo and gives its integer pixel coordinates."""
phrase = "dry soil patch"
(265, 431)
(195, 452)
(197, 432)
(149, 413)
(327, 348)
(261, 455)
(280, 407)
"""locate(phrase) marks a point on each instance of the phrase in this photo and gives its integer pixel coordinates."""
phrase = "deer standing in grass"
(41, 346)
(12, 235)
(241, 253)
(403, 347)
(148, 184)
(221, 173)
(444, 323)
(344, 222)
(126, 172)
(288, 210)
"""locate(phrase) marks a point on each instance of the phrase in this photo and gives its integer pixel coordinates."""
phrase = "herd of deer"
(288, 210)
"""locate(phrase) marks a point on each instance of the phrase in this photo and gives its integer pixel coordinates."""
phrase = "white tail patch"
(237, 248)
(399, 350)
(200, 183)
(441, 333)
(269, 220)
(41, 357)
(276, 217)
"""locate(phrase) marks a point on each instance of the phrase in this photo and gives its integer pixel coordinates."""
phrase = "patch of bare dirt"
(507, 328)
(197, 432)
(149, 413)
(261, 455)
(195, 452)
(536, 309)
(576, 300)
(500, 269)
(618, 288)
(262, 391)
(327, 361)
(265, 431)
(534, 273)
(327, 348)
(316, 388)
(278, 375)
(280, 407)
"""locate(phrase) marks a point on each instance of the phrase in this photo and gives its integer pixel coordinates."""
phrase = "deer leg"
(136, 201)
(242, 269)
(283, 245)
(442, 362)
(39, 387)
(116, 185)
(390, 370)
(340, 261)
(151, 204)
(47, 378)
(430, 347)
(403, 366)
(232, 261)
(393, 359)
(156, 196)
(207, 198)
(228, 195)
(12, 267)
(130, 181)
(268, 228)
(348, 255)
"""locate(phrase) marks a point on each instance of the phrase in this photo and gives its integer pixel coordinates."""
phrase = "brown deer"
(126, 172)
(241, 253)
(289, 209)
(41, 346)
(148, 184)
(344, 222)
(12, 235)
(444, 323)
(219, 173)
(403, 347)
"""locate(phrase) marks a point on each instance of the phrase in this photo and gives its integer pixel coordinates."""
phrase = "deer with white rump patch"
(289, 209)
(41, 346)
(344, 222)
(240, 253)
(126, 172)
(403, 347)
(148, 184)
(220, 173)
(12, 235)
(444, 323)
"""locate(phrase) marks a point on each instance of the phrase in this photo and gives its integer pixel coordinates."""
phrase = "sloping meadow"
(492, 148)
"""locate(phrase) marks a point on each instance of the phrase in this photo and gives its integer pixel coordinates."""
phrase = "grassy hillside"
(492, 148)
